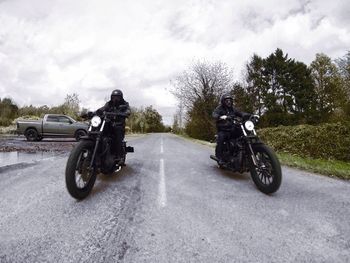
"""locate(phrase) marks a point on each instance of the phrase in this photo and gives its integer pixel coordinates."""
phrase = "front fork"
(257, 163)
(252, 154)
(94, 152)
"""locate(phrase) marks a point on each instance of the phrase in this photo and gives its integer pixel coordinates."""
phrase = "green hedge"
(326, 141)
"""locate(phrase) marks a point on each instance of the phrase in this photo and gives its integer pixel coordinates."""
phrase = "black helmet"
(117, 92)
(225, 96)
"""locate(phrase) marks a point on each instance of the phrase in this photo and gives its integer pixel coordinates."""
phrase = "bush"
(326, 141)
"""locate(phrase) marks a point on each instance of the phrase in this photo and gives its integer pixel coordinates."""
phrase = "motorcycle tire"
(76, 163)
(269, 178)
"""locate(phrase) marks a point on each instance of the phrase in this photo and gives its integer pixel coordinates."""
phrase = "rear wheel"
(79, 178)
(31, 135)
(267, 175)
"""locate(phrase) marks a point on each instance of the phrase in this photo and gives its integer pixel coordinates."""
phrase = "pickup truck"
(52, 125)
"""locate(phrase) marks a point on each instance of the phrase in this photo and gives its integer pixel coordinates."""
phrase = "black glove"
(254, 118)
(99, 112)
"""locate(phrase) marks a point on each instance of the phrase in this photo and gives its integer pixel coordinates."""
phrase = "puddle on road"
(8, 158)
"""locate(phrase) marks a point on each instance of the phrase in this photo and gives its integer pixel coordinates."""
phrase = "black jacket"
(111, 107)
(225, 125)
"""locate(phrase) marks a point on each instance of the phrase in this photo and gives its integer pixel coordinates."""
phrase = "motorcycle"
(93, 155)
(245, 152)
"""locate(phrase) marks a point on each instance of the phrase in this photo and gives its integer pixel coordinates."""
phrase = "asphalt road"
(172, 204)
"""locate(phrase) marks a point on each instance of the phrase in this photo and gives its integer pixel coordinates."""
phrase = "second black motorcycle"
(245, 152)
(93, 155)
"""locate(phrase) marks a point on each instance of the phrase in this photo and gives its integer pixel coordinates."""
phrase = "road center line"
(161, 145)
(162, 187)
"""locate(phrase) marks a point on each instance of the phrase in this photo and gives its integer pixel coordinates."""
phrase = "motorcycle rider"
(225, 129)
(118, 105)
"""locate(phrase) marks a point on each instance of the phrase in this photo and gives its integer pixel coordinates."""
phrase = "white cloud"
(51, 48)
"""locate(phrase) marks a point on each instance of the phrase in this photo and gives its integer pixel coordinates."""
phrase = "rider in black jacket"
(223, 125)
(118, 105)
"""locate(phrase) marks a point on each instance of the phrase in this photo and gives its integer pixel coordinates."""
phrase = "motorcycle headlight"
(95, 121)
(249, 125)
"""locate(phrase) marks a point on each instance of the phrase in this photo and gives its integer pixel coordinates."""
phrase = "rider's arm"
(127, 110)
(216, 113)
(100, 111)
(243, 115)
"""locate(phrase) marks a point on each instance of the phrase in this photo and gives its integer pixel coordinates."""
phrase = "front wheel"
(267, 174)
(79, 178)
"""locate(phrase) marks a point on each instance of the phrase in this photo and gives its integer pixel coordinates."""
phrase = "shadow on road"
(232, 175)
(103, 182)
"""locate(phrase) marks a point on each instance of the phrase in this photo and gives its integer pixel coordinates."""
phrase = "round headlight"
(249, 125)
(95, 121)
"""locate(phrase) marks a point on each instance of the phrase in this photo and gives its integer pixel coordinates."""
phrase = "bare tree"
(198, 89)
(201, 80)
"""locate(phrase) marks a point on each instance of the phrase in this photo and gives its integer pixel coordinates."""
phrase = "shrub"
(327, 141)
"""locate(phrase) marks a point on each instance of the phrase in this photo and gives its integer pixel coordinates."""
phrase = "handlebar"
(239, 120)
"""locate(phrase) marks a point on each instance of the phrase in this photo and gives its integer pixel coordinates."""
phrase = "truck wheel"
(79, 134)
(31, 135)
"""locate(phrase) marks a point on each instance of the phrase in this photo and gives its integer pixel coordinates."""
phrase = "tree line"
(281, 90)
(141, 119)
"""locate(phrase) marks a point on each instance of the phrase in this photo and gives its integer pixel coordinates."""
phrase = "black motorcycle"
(93, 155)
(244, 152)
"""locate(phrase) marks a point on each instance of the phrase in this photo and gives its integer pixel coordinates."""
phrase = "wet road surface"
(172, 204)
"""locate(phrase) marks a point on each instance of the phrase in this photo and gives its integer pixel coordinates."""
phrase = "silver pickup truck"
(52, 125)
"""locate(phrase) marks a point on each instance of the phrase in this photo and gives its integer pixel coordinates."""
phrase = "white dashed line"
(161, 145)
(162, 187)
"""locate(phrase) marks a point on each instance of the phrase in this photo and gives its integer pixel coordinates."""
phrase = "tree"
(145, 120)
(330, 94)
(177, 126)
(256, 85)
(153, 120)
(344, 70)
(8, 111)
(199, 89)
(242, 100)
(279, 89)
(302, 92)
(71, 105)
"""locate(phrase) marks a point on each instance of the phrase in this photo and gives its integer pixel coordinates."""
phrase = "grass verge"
(331, 168)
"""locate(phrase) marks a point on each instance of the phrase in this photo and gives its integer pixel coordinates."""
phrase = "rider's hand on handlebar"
(223, 117)
(255, 118)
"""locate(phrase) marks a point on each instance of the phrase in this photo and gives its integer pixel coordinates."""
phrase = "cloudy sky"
(50, 48)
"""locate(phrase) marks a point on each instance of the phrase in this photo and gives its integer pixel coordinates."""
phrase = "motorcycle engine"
(108, 158)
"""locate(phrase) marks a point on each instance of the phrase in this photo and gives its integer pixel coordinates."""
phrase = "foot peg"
(129, 149)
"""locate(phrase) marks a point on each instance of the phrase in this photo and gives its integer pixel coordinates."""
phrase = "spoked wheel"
(79, 178)
(267, 175)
